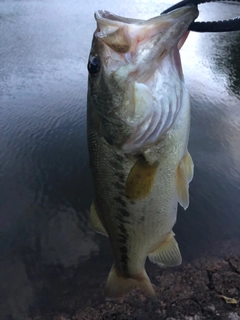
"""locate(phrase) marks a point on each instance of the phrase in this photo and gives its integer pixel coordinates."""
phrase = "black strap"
(209, 26)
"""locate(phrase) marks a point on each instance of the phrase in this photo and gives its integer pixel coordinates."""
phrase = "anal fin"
(95, 222)
(167, 254)
(140, 179)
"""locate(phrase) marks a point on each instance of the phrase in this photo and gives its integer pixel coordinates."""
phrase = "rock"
(210, 308)
(233, 316)
(196, 317)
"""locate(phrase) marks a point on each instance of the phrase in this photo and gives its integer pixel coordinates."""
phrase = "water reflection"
(229, 63)
(46, 188)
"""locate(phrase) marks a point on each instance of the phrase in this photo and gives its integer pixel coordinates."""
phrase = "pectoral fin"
(167, 254)
(95, 222)
(184, 176)
(140, 179)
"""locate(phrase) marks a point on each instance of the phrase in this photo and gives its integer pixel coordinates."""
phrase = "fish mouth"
(137, 43)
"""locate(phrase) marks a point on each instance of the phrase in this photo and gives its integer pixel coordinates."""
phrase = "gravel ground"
(206, 288)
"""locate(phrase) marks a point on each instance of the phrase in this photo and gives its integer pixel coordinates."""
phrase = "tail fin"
(118, 285)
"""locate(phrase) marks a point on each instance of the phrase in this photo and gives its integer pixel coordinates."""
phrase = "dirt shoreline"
(206, 288)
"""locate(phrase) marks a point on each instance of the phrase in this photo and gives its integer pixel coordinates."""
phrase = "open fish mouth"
(137, 62)
(138, 44)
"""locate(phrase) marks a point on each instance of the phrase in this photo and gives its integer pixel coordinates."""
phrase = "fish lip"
(107, 16)
(104, 16)
(176, 22)
(182, 17)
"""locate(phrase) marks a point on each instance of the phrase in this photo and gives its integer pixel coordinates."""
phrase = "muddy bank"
(206, 288)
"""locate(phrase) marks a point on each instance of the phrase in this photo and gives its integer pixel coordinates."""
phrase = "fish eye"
(94, 65)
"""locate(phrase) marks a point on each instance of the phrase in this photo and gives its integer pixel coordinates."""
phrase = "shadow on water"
(46, 190)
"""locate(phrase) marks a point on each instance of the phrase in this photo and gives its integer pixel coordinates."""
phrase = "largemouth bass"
(138, 128)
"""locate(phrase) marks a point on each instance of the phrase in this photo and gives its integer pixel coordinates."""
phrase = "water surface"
(45, 182)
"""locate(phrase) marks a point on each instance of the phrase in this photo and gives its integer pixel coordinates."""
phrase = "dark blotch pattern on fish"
(122, 229)
(123, 239)
(124, 212)
(121, 177)
(118, 185)
(124, 261)
(119, 157)
(123, 249)
(121, 201)
(122, 219)
(116, 165)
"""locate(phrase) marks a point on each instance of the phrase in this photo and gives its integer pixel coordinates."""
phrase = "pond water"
(45, 182)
